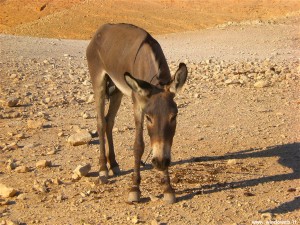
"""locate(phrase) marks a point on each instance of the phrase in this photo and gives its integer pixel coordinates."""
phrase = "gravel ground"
(236, 151)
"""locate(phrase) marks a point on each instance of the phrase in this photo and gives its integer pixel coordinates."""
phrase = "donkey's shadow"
(289, 156)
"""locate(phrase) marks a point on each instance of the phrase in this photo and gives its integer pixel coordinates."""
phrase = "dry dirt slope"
(80, 18)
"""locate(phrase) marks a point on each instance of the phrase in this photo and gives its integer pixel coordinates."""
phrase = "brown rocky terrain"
(236, 153)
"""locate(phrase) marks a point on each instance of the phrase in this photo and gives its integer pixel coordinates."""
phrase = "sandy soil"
(236, 152)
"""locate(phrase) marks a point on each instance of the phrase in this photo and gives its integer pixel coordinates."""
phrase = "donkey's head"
(160, 110)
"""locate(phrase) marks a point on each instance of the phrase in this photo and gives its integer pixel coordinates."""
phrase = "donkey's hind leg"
(99, 86)
(114, 105)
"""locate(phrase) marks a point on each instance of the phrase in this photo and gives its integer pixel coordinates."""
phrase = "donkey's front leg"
(139, 145)
(169, 193)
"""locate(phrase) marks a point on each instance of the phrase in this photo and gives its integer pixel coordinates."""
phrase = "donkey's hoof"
(103, 177)
(115, 171)
(134, 196)
(169, 197)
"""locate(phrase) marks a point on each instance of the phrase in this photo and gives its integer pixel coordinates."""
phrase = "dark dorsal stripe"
(152, 43)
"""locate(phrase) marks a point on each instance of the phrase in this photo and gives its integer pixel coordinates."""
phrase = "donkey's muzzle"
(161, 164)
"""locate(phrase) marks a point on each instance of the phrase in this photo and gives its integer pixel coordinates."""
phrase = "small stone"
(155, 222)
(197, 95)
(261, 84)
(60, 134)
(22, 196)
(34, 124)
(43, 163)
(60, 198)
(80, 138)
(232, 162)
(86, 82)
(52, 152)
(86, 115)
(12, 102)
(82, 171)
(7, 191)
(266, 216)
(13, 76)
(75, 177)
(20, 136)
(11, 166)
(41, 187)
(116, 130)
(22, 169)
(90, 99)
(47, 100)
(208, 61)
(292, 190)
(229, 81)
(135, 220)
(154, 198)
(106, 217)
(8, 222)
(56, 181)
(249, 194)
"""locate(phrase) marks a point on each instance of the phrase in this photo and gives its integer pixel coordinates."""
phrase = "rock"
(7, 191)
(90, 99)
(56, 181)
(8, 222)
(12, 102)
(22, 197)
(43, 163)
(82, 171)
(22, 169)
(35, 124)
(266, 216)
(261, 84)
(86, 115)
(135, 220)
(231, 162)
(11, 166)
(52, 152)
(292, 189)
(20, 136)
(75, 177)
(41, 187)
(154, 198)
(80, 138)
(155, 222)
(229, 81)
(197, 95)
(60, 197)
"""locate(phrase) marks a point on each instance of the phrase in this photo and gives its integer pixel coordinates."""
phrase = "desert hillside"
(78, 19)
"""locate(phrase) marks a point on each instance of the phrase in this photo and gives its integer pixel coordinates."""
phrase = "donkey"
(126, 60)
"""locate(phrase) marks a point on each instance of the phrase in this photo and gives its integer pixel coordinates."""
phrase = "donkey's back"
(119, 48)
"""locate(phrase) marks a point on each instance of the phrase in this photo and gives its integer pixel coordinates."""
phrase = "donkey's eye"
(173, 118)
(148, 118)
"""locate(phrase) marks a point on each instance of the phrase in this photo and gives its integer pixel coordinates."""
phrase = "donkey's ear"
(179, 78)
(141, 87)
